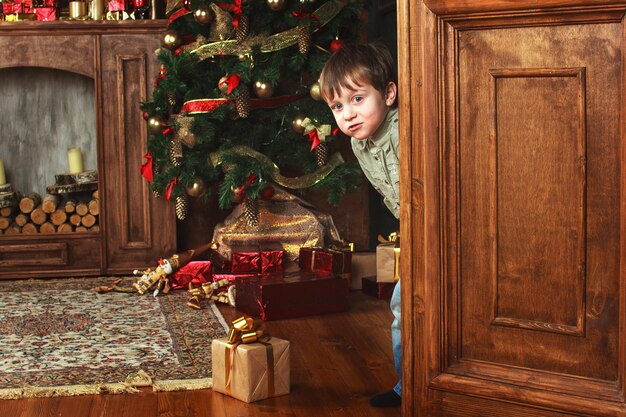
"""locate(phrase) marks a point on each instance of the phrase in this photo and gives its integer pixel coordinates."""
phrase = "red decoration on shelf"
(147, 170)
(336, 44)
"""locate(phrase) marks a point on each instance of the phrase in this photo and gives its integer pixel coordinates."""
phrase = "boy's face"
(359, 112)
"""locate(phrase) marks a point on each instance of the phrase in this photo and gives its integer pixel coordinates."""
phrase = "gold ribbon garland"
(304, 181)
(393, 238)
(271, 43)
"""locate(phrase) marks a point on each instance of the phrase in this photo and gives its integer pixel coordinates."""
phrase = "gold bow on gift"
(341, 245)
(394, 238)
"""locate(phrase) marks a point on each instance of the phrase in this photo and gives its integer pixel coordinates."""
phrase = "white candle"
(3, 178)
(75, 160)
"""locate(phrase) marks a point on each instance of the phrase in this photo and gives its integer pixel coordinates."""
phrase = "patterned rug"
(60, 337)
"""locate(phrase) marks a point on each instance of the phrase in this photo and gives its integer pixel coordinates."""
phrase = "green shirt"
(378, 157)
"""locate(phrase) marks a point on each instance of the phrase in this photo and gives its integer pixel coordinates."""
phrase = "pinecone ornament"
(242, 101)
(181, 207)
(171, 99)
(251, 211)
(304, 39)
(321, 154)
(175, 152)
(243, 28)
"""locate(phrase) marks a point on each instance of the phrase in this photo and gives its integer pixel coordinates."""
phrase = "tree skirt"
(59, 337)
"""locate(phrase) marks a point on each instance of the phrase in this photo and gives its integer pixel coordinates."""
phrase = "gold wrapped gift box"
(251, 372)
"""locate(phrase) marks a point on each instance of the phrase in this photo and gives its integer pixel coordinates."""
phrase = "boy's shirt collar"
(382, 132)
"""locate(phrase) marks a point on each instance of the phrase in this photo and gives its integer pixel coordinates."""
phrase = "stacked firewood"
(51, 214)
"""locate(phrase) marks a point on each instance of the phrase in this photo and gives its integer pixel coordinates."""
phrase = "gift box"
(380, 290)
(195, 273)
(116, 5)
(12, 8)
(363, 265)
(251, 371)
(46, 14)
(245, 259)
(319, 259)
(290, 295)
(272, 257)
(387, 262)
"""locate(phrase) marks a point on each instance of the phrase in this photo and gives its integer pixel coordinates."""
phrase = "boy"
(359, 84)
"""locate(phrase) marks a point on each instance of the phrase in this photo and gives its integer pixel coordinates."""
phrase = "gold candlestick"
(77, 9)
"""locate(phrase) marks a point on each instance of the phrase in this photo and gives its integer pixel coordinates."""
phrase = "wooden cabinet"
(136, 228)
(514, 234)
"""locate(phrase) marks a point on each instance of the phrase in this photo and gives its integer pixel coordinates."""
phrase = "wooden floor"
(337, 362)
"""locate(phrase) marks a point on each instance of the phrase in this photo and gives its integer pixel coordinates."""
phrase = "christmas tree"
(236, 102)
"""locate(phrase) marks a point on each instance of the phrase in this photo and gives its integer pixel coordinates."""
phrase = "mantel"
(63, 27)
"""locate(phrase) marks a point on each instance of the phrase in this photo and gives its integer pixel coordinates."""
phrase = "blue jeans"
(396, 336)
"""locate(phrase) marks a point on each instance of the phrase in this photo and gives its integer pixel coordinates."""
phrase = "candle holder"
(78, 9)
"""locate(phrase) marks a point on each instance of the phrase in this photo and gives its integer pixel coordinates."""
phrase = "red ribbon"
(303, 14)
(231, 81)
(234, 7)
(314, 138)
(335, 131)
(168, 194)
(168, 130)
(162, 72)
(203, 105)
(176, 15)
(147, 170)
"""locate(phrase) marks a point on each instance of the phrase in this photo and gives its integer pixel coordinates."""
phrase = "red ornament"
(146, 116)
(187, 4)
(267, 192)
(239, 194)
(336, 44)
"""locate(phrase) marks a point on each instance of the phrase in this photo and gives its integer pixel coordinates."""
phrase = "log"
(29, 202)
(70, 206)
(29, 229)
(47, 227)
(21, 219)
(6, 188)
(14, 229)
(5, 222)
(96, 195)
(65, 228)
(80, 229)
(50, 203)
(6, 211)
(88, 220)
(9, 199)
(94, 207)
(38, 216)
(58, 217)
(75, 219)
(86, 177)
(82, 209)
(95, 228)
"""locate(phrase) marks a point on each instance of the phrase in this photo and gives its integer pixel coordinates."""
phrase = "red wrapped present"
(380, 290)
(194, 272)
(245, 259)
(296, 294)
(272, 257)
(116, 5)
(319, 259)
(231, 278)
(46, 14)
(12, 8)
(50, 3)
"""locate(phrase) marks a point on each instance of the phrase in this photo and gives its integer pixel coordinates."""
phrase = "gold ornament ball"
(155, 125)
(203, 15)
(197, 188)
(276, 5)
(316, 92)
(296, 123)
(263, 89)
(171, 40)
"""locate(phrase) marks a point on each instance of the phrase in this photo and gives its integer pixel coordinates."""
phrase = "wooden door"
(514, 171)
(140, 229)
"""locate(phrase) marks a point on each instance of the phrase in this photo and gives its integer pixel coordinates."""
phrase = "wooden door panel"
(539, 209)
(515, 115)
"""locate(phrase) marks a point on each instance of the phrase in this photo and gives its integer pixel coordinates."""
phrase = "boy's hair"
(353, 65)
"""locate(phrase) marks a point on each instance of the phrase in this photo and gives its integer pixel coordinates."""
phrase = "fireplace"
(79, 84)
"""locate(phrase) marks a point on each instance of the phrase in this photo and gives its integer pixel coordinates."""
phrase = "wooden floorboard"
(337, 362)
